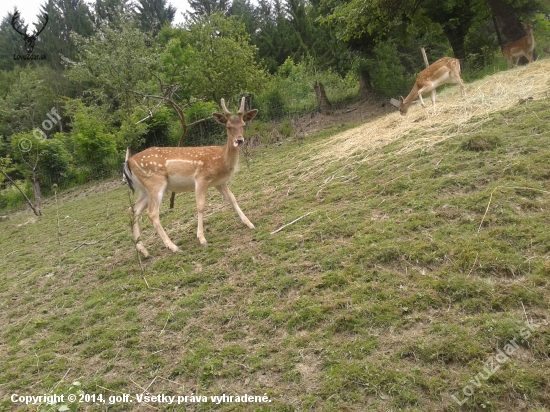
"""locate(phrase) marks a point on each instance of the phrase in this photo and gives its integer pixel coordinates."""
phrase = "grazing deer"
(523, 47)
(184, 169)
(29, 40)
(445, 70)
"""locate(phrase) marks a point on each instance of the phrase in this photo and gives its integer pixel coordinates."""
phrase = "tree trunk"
(323, 105)
(499, 35)
(365, 87)
(37, 194)
(507, 21)
(456, 38)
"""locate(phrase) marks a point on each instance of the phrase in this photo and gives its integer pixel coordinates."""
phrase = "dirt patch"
(356, 112)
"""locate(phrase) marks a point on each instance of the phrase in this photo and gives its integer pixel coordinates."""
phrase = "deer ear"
(220, 118)
(401, 99)
(251, 114)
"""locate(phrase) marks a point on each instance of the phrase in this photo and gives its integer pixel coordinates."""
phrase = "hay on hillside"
(450, 117)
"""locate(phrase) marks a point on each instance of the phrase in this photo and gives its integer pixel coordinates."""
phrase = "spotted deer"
(523, 47)
(445, 70)
(184, 169)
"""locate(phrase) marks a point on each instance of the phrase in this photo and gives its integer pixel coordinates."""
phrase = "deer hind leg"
(432, 97)
(155, 200)
(461, 84)
(224, 190)
(136, 212)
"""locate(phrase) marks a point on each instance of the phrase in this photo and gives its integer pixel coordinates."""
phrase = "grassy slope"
(407, 276)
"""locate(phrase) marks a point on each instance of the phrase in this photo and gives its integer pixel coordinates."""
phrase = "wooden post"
(427, 63)
(425, 57)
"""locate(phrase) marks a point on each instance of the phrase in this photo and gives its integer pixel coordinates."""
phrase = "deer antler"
(241, 109)
(14, 19)
(225, 111)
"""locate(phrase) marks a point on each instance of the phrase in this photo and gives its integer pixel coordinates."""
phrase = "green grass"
(392, 294)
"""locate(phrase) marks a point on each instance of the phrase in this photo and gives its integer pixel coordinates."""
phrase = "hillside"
(419, 271)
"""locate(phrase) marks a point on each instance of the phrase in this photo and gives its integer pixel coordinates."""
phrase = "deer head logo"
(29, 40)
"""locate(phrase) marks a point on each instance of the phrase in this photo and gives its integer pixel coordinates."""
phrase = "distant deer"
(445, 70)
(184, 169)
(29, 40)
(523, 47)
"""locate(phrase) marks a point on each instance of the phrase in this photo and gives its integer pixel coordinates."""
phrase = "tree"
(26, 151)
(455, 18)
(65, 18)
(153, 14)
(507, 19)
(10, 43)
(112, 13)
(218, 59)
(246, 12)
(207, 7)
(113, 64)
(26, 102)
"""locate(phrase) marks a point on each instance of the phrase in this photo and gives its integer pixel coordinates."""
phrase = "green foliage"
(270, 103)
(64, 19)
(291, 90)
(10, 197)
(54, 160)
(387, 72)
(200, 110)
(93, 146)
(542, 33)
(153, 14)
(26, 101)
(219, 61)
(115, 63)
(130, 133)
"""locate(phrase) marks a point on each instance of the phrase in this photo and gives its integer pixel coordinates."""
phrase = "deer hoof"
(205, 244)
(178, 250)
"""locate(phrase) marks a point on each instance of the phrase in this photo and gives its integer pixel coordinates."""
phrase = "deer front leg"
(420, 95)
(226, 193)
(136, 212)
(200, 193)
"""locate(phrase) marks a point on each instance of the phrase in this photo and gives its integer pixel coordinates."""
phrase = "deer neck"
(412, 95)
(231, 154)
(531, 41)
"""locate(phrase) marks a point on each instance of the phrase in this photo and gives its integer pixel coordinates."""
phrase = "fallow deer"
(523, 47)
(184, 169)
(445, 70)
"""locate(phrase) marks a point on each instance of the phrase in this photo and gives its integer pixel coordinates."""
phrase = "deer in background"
(184, 169)
(523, 47)
(445, 70)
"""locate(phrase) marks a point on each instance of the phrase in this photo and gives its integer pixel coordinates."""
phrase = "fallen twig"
(506, 187)
(88, 243)
(288, 224)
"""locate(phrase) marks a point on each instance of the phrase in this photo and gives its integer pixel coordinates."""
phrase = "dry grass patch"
(451, 117)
